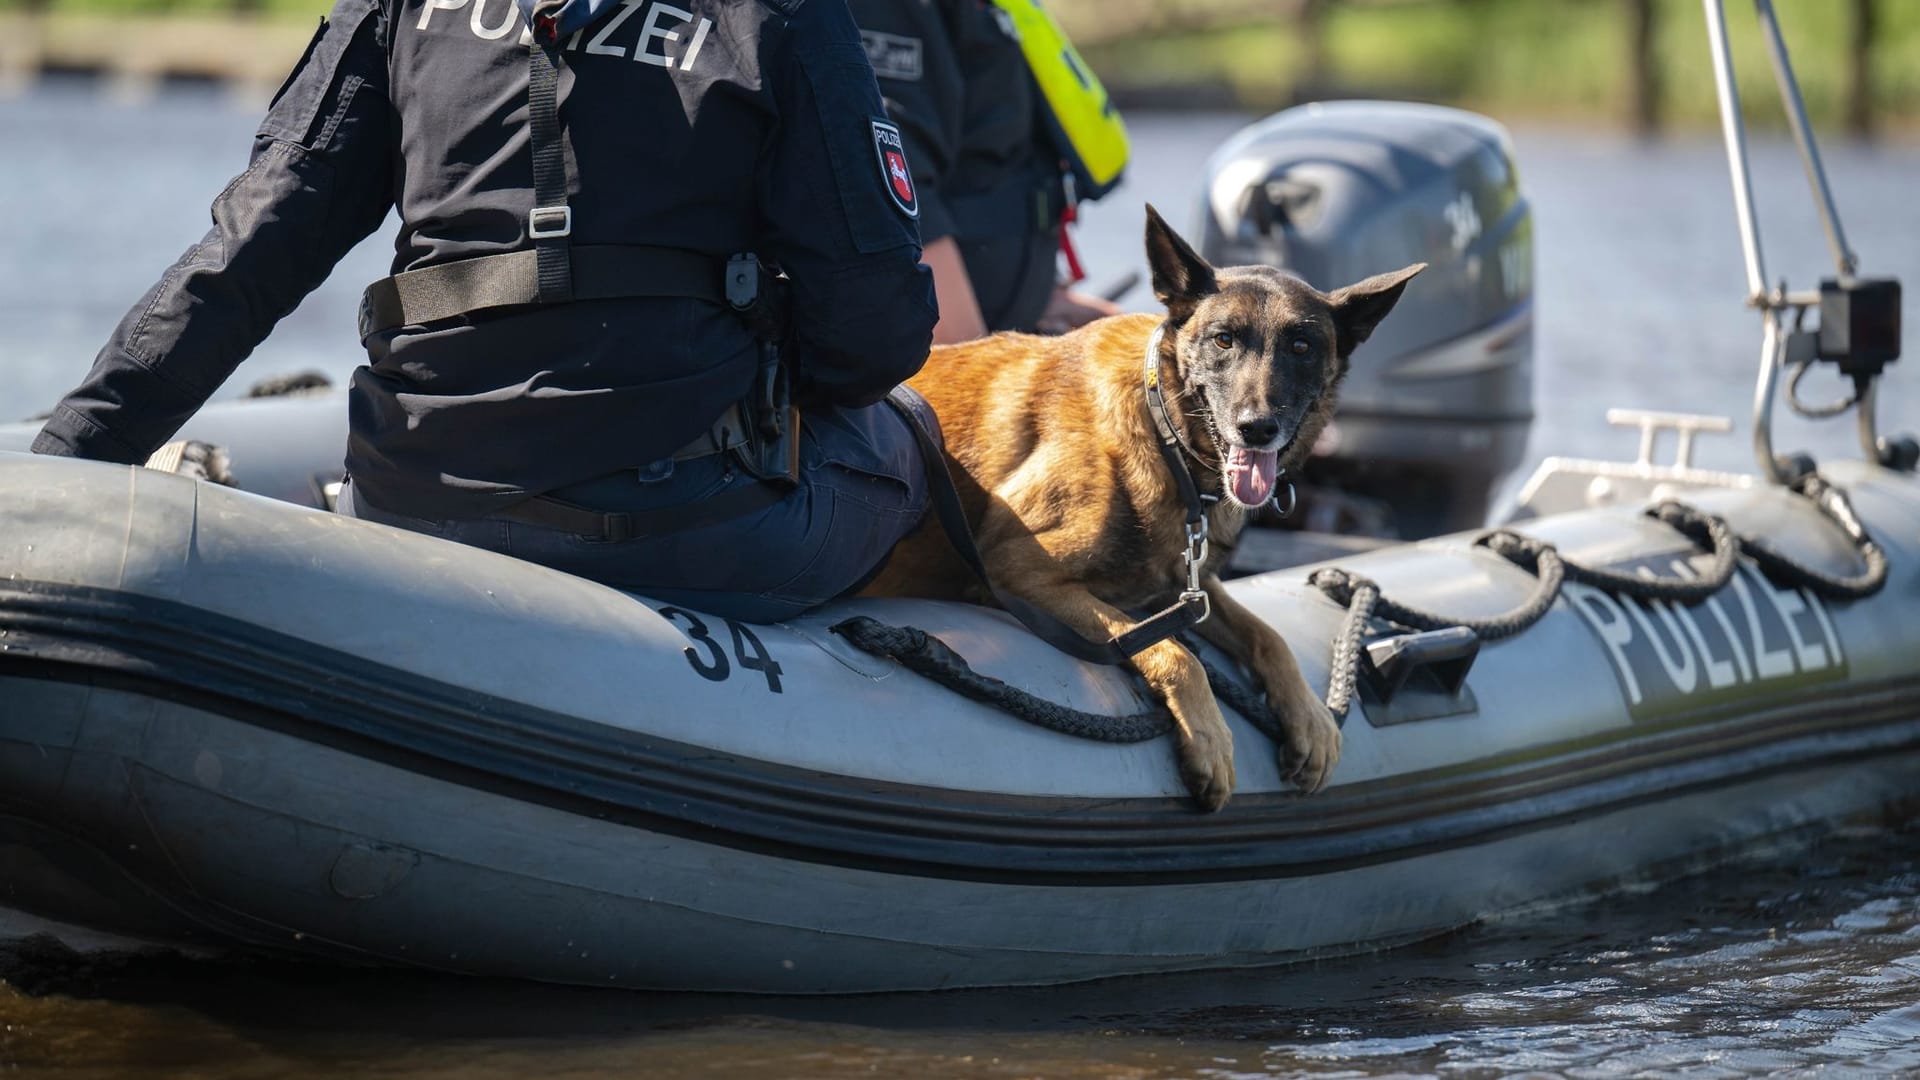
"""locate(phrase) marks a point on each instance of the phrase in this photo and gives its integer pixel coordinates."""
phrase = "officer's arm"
(912, 51)
(960, 316)
(319, 180)
(863, 309)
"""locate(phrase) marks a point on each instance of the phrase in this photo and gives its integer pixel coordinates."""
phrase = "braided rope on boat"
(1364, 601)
(922, 653)
(926, 655)
(1833, 503)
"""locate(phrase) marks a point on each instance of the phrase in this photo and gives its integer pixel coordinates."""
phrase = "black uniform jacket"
(956, 81)
(717, 126)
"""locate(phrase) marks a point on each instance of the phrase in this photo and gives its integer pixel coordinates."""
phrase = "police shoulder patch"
(892, 155)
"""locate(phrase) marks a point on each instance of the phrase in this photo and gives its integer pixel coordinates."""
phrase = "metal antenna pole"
(1774, 343)
(1736, 138)
(1843, 256)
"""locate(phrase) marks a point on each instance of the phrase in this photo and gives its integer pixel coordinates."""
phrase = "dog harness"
(1192, 607)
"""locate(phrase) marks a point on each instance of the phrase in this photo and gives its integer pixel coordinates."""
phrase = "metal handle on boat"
(1652, 422)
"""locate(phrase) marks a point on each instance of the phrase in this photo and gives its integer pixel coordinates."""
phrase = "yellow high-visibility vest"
(1091, 138)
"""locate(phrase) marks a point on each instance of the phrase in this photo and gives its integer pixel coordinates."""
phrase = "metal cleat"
(1563, 483)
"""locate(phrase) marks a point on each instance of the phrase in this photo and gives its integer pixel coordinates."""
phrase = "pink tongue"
(1250, 474)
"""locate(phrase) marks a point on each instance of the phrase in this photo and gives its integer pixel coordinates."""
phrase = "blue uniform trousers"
(862, 489)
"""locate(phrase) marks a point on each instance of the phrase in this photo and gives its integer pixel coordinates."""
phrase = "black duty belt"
(489, 282)
(615, 526)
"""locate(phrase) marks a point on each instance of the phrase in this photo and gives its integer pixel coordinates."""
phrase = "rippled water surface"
(1805, 961)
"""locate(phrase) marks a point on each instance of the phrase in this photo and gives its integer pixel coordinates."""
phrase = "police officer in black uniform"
(991, 189)
(587, 190)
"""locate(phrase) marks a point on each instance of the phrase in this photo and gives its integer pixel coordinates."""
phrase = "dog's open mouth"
(1250, 474)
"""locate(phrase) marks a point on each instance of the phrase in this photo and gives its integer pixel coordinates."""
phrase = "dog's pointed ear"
(1180, 276)
(1359, 307)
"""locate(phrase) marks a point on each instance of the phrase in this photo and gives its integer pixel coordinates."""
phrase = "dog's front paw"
(1312, 746)
(1206, 762)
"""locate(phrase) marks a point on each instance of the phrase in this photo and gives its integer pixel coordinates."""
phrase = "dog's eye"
(1223, 339)
(1300, 346)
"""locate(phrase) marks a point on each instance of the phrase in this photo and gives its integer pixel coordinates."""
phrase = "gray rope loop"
(1363, 595)
(1836, 505)
(1342, 586)
(1707, 531)
(1837, 508)
(1363, 599)
(1338, 585)
(1519, 549)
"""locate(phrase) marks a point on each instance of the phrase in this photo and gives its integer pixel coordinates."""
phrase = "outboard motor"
(1438, 404)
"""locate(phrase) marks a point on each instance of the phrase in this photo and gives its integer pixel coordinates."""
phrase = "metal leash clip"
(1196, 555)
(1274, 499)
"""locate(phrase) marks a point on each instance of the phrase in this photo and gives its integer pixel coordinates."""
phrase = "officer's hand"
(1070, 310)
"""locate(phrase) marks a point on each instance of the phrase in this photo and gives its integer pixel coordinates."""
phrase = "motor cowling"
(1438, 403)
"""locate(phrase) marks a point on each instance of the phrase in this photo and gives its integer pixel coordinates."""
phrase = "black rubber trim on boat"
(179, 653)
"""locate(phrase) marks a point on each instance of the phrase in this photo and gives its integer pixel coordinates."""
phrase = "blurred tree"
(1643, 68)
(1310, 21)
(1859, 73)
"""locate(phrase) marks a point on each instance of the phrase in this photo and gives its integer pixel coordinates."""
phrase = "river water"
(1805, 959)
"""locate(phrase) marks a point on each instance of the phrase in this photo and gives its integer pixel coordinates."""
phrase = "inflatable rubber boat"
(229, 720)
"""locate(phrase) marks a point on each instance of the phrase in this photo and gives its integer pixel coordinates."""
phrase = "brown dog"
(1053, 451)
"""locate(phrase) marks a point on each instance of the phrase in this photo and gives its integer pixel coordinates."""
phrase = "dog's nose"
(1258, 430)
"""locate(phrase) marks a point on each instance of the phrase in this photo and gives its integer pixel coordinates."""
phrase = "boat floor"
(1262, 549)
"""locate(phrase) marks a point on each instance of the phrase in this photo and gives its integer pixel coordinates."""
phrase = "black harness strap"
(513, 279)
(554, 272)
(1167, 437)
(551, 221)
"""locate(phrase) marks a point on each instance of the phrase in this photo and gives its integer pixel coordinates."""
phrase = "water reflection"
(1797, 962)
(1639, 276)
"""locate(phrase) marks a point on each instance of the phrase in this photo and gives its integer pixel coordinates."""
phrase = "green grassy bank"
(1557, 60)
(1522, 59)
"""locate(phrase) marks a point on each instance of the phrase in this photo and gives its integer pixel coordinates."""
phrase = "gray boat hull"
(234, 721)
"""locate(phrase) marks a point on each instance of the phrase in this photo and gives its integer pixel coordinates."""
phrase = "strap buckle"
(548, 222)
(743, 281)
(1196, 554)
(1198, 598)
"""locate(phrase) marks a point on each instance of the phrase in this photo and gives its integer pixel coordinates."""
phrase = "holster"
(772, 450)
(758, 295)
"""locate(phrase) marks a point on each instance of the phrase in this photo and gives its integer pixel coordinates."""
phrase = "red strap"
(1075, 272)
